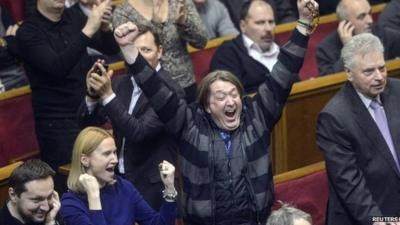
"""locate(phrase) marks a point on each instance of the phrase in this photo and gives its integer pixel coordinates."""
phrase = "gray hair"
(286, 215)
(360, 44)
(341, 11)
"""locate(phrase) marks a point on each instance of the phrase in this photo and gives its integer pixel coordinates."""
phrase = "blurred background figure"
(355, 18)
(216, 18)
(391, 15)
(53, 45)
(12, 74)
(178, 24)
(284, 10)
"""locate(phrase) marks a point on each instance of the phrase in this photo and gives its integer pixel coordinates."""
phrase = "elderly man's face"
(369, 74)
(148, 49)
(33, 204)
(225, 105)
(359, 14)
(259, 25)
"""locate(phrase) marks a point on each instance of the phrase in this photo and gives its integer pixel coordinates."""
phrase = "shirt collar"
(367, 100)
(85, 10)
(251, 45)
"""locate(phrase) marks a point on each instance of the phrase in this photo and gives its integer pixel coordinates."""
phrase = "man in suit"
(358, 132)
(139, 133)
(355, 18)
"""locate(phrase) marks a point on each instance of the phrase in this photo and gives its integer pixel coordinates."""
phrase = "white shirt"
(268, 58)
(367, 102)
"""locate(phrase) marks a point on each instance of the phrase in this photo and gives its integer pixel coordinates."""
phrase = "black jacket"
(146, 143)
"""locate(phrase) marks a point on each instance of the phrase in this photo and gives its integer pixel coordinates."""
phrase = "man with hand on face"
(251, 55)
(33, 200)
(355, 18)
(224, 137)
(140, 136)
(358, 132)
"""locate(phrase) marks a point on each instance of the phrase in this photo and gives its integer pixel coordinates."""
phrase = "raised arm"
(273, 93)
(171, 109)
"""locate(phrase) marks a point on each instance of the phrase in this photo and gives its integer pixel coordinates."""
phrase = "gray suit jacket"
(363, 179)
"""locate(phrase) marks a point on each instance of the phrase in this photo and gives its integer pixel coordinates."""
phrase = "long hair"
(86, 142)
(203, 92)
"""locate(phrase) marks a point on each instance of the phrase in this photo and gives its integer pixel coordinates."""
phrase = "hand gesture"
(345, 30)
(12, 30)
(181, 12)
(90, 184)
(100, 13)
(160, 10)
(167, 173)
(306, 10)
(125, 34)
(99, 84)
(54, 205)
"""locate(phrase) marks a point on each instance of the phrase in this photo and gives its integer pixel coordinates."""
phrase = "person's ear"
(160, 51)
(12, 195)
(85, 160)
(349, 74)
(242, 25)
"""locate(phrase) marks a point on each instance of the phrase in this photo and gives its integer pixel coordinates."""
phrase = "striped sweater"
(191, 125)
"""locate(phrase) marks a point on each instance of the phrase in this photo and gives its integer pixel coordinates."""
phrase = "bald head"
(258, 23)
(358, 12)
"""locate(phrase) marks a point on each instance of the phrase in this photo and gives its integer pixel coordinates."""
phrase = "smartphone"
(97, 70)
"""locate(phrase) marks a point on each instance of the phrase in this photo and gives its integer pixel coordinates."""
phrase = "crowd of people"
(195, 151)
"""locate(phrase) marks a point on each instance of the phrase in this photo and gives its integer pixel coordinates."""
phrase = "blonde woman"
(98, 197)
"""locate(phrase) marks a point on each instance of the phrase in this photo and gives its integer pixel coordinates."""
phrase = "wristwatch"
(3, 43)
(170, 197)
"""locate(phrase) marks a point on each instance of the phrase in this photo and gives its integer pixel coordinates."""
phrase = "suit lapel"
(392, 110)
(368, 126)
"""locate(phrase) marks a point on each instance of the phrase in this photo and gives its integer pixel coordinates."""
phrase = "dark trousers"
(56, 139)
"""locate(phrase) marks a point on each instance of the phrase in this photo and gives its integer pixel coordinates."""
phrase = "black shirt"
(56, 61)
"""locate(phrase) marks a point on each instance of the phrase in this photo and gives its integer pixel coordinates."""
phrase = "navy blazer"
(363, 178)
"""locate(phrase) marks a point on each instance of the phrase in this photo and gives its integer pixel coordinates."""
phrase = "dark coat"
(199, 143)
(363, 178)
(328, 51)
(233, 57)
(147, 144)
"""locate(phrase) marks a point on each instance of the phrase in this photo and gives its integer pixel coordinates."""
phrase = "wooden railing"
(5, 173)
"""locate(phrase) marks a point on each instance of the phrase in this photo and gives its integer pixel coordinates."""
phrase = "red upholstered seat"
(17, 129)
(308, 193)
(201, 62)
(16, 8)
